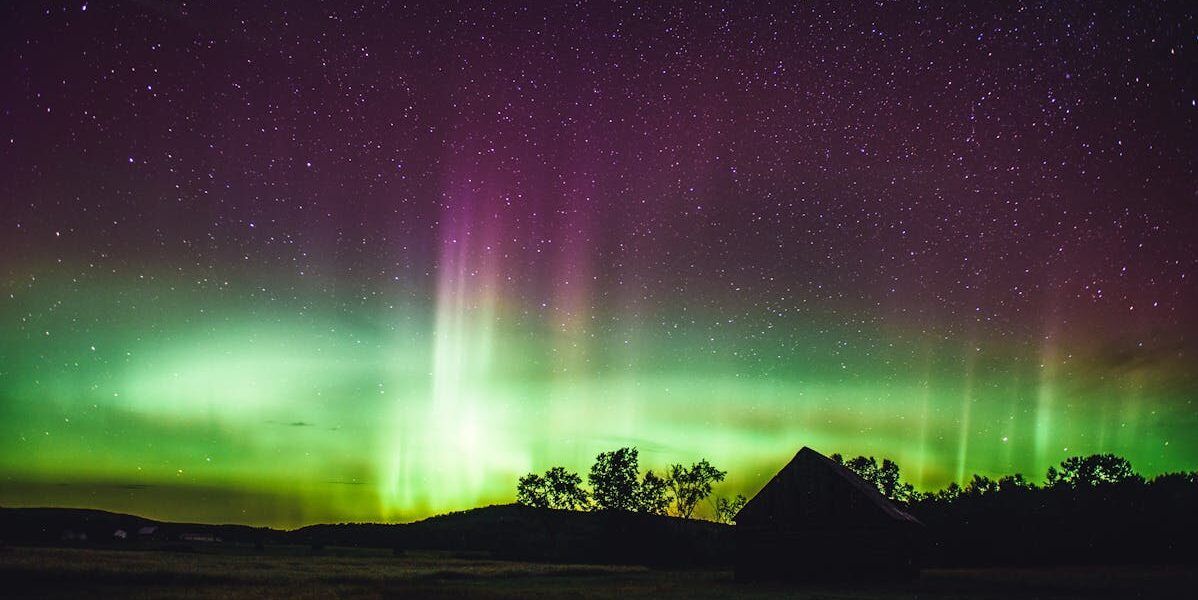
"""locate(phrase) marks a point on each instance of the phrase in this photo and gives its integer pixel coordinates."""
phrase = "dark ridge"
(508, 531)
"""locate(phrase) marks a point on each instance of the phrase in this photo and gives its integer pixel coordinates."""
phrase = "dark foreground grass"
(91, 573)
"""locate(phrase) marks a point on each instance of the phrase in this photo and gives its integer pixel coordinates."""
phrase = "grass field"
(295, 574)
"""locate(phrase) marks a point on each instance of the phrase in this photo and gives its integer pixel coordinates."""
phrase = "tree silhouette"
(565, 489)
(890, 483)
(652, 494)
(615, 486)
(692, 485)
(532, 491)
(726, 510)
(613, 479)
(1008, 483)
(1092, 470)
(865, 467)
(558, 488)
(885, 477)
(948, 494)
(981, 485)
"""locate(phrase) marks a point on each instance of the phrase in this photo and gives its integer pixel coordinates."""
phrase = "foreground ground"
(296, 574)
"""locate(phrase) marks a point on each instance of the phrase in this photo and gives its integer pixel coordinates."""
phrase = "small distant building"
(817, 520)
(70, 535)
(199, 537)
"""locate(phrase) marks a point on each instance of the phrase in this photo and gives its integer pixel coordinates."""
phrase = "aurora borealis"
(292, 263)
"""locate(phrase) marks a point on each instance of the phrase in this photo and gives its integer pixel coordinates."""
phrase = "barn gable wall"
(817, 520)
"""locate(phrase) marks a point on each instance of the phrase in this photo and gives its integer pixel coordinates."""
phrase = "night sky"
(288, 264)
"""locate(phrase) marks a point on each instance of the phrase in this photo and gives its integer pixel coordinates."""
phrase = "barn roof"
(823, 485)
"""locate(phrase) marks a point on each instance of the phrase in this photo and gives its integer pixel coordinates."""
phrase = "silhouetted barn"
(817, 520)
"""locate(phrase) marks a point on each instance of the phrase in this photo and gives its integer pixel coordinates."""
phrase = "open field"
(294, 574)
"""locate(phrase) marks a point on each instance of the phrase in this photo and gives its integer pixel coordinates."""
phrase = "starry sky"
(290, 263)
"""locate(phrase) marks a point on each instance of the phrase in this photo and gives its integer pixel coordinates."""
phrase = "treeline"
(617, 484)
(1086, 510)
(1085, 474)
(1089, 509)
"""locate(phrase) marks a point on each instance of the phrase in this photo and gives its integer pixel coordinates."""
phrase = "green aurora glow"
(264, 414)
(324, 262)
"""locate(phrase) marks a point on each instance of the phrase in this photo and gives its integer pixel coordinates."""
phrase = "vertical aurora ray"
(455, 448)
(1048, 360)
(1131, 410)
(570, 325)
(925, 399)
(965, 431)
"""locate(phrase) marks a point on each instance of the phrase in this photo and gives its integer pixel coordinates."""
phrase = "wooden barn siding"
(810, 554)
(807, 497)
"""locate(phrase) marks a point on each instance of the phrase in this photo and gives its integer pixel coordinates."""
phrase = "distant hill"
(51, 525)
(522, 532)
(502, 531)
